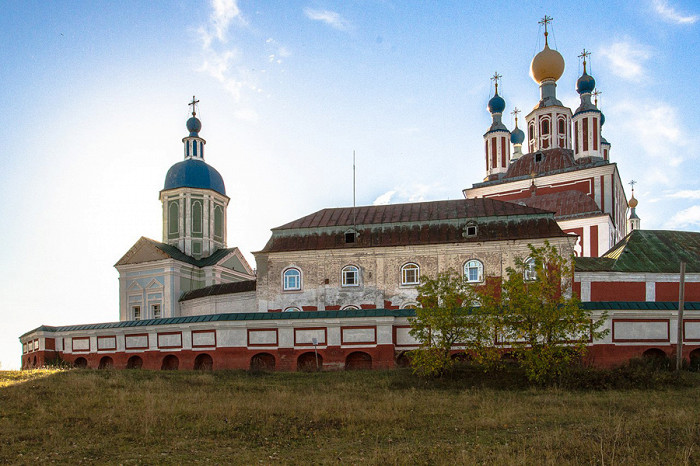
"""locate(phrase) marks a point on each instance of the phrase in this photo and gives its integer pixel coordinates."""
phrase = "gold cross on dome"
(632, 183)
(495, 78)
(545, 21)
(596, 93)
(585, 54)
(515, 113)
(193, 103)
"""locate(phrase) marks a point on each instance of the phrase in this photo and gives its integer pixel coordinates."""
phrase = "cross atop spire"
(585, 54)
(545, 21)
(495, 78)
(596, 93)
(193, 103)
(632, 183)
(515, 113)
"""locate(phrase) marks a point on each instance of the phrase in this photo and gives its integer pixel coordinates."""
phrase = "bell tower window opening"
(562, 132)
(531, 130)
(585, 134)
(545, 132)
(196, 217)
(494, 155)
(173, 218)
(218, 222)
(595, 134)
(576, 147)
(486, 151)
(503, 152)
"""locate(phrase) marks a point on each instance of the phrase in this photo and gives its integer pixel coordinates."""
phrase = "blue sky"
(94, 99)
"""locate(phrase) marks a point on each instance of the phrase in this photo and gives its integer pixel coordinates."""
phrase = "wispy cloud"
(686, 218)
(686, 194)
(626, 58)
(413, 193)
(670, 14)
(384, 199)
(331, 18)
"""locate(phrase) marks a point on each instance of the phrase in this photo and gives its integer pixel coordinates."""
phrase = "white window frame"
(474, 264)
(530, 272)
(134, 311)
(154, 307)
(287, 285)
(347, 271)
(411, 266)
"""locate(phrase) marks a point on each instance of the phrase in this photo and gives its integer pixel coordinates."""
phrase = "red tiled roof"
(413, 212)
(564, 204)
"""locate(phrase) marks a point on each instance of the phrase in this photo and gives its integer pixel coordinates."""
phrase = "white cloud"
(384, 199)
(669, 13)
(626, 58)
(224, 12)
(689, 217)
(686, 194)
(661, 126)
(331, 18)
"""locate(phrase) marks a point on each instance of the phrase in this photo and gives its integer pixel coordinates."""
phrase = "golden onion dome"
(548, 64)
(633, 202)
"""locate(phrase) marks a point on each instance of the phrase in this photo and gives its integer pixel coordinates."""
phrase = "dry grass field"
(375, 417)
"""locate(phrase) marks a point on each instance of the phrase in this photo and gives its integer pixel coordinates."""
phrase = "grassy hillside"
(350, 417)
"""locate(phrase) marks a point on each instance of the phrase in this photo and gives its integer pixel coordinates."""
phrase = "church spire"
(634, 222)
(587, 118)
(194, 145)
(496, 138)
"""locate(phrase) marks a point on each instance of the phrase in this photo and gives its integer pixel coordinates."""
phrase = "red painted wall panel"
(618, 291)
(668, 291)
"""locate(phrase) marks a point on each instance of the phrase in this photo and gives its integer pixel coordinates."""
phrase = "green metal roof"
(653, 251)
(347, 314)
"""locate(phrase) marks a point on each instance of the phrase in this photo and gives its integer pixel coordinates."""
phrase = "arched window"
(562, 132)
(291, 279)
(349, 308)
(196, 216)
(410, 274)
(531, 130)
(474, 271)
(530, 272)
(350, 276)
(173, 217)
(292, 309)
(218, 222)
(411, 305)
(544, 132)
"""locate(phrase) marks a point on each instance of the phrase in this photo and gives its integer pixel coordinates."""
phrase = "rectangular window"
(577, 148)
(155, 310)
(585, 134)
(486, 143)
(136, 311)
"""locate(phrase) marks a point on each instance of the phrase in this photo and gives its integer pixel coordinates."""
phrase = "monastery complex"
(335, 289)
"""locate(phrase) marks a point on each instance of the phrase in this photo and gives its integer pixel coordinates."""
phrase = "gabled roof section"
(148, 250)
(220, 289)
(544, 162)
(419, 223)
(651, 251)
(417, 212)
(564, 204)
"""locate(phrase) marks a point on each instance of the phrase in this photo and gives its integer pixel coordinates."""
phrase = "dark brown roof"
(415, 224)
(222, 288)
(551, 161)
(416, 212)
(564, 204)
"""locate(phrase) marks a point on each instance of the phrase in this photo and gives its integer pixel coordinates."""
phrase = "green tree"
(541, 318)
(448, 318)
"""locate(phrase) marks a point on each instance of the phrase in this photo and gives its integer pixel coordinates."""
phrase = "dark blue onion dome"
(585, 83)
(496, 104)
(193, 173)
(517, 136)
(602, 119)
(194, 126)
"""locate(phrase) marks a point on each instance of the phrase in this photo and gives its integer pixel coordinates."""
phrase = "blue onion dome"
(194, 126)
(193, 173)
(496, 104)
(602, 119)
(517, 136)
(585, 84)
